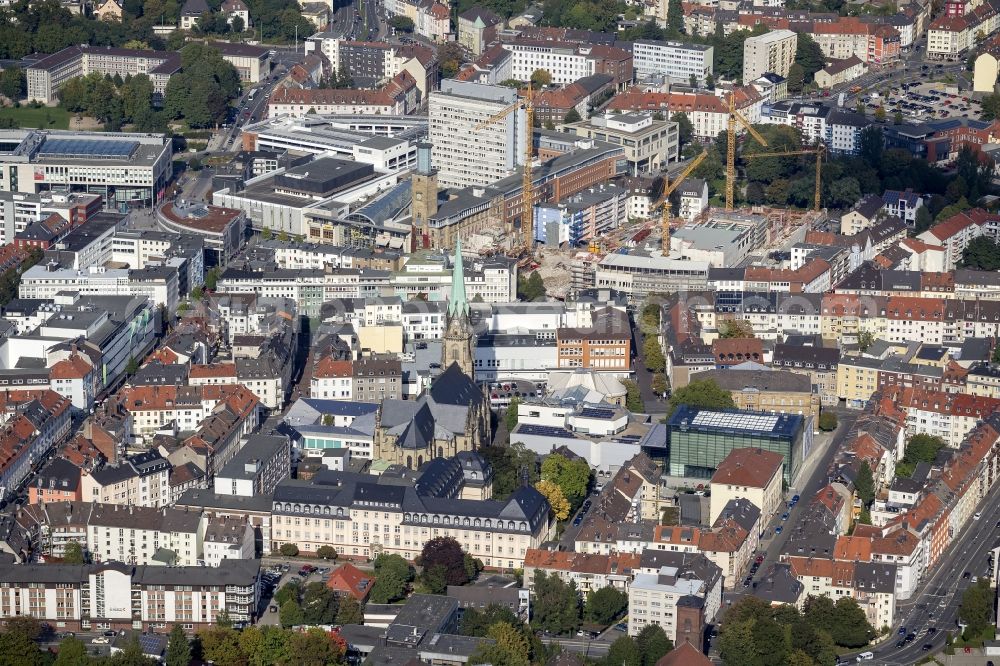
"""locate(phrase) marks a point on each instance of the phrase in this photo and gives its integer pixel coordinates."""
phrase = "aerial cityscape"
(513, 332)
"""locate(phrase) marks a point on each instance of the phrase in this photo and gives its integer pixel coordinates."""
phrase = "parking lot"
(275, 577)
(925, 99)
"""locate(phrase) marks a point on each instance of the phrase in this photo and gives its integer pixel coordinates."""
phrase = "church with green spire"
(450, 416)
(458, 341)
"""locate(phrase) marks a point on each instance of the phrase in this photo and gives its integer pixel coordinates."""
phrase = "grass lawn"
(43, 118)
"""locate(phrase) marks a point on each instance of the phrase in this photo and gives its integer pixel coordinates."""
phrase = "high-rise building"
(771, 52)
(471, 145)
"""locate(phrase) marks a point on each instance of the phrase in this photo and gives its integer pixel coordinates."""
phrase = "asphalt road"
(938, 602)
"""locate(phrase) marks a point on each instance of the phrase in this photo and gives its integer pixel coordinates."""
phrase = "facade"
(48, 75)
(675, 60)
(679, 592)
(477, 27)
(649, 144)
(774, 391)
(121, 596)
(751, 474)
(701, 439)
(121, 167)
(457, 112)
(771, 52)
(567, 61)
(361, 519)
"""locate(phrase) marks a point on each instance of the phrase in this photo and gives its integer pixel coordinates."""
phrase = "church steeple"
(457, 344)
(458, 304)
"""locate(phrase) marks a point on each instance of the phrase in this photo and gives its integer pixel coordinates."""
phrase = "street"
(941, 596)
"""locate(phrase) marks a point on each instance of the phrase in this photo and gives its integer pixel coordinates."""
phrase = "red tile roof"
(748, 467)
(351, 580)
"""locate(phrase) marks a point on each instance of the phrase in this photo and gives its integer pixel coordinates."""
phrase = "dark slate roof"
(454, 387)
(60, 474)
(778, 585)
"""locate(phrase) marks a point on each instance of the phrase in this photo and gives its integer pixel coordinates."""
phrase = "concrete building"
(252, 63)
(680, 592)
(456, 113)
(771, 52)
(48, 75)
(649, 144)
(676, 61)
(228, 538)
(121, 167)
(117, 595)
(477, 27)
(141, 480)
(257, 468)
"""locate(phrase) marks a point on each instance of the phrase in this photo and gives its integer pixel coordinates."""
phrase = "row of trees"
(791, 180)
(11, 278)
(556, 606)
(114, 101)
(982, 253)
(755, 634)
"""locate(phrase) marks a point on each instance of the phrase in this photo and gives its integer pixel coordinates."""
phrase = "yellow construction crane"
(735, 115)
(527, 185)
(668, 189)
(819, 151)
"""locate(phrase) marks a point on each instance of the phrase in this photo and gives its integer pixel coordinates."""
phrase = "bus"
(252, 93)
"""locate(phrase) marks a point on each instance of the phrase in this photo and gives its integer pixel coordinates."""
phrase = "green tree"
(880, 114)
(556, 606)
(982, 253)
(990, 107)
(212, 279)
(653, 644)
(509, 647)
(531, 288)
(809, 56)
(477, 623)
(291, 591)
(443, 554)
(897, 118)
(314, 647)
(977, 608)
(74, 554)
(871, 144)
(572, 476)
(541, 78)
(920, 448)
(326, 552)
(350, 611)
(704, 393)
(605, 605)
(73, 652)
(137, 96)
(131, 654)
(289, 550)
(796, 78)
(319, 604)
(865, 484)
(923, 220)
(510, 416)
(633, 397)
(401, 23)
(13, 83)
(178, 648)
(290, 614)
(736, 328)
(827, 421)
(675, 17)
(660, 384)
(132, 366)
(265, 645)
(653, 354)
(685, 129)
(572, 116)
(221, 646)
(736, 644)
(623, 652)
(851, 628)
(392, 575)
(513, 467)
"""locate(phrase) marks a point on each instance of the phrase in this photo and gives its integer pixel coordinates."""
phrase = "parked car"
(100, 640)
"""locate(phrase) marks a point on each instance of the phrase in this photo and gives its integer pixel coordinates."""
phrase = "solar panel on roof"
(597, 413)
(88, 148)
(150, 644)
(543, 430)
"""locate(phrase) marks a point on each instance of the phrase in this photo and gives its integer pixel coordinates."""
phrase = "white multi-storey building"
(462, 110)
(675, 60)
(771, 52)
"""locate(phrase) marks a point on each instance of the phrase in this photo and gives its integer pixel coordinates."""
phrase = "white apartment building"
(564, 61)
(158, 285)
(117, 595)
(665, 578)
(675, 60)
(461, 110)
(771, 52)
(228, 538)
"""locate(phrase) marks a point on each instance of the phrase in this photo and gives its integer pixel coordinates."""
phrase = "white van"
(866, 656)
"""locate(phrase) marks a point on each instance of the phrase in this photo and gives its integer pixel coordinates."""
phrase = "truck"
(855, 89)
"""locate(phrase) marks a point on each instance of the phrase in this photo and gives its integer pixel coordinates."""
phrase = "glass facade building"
(699, 439)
